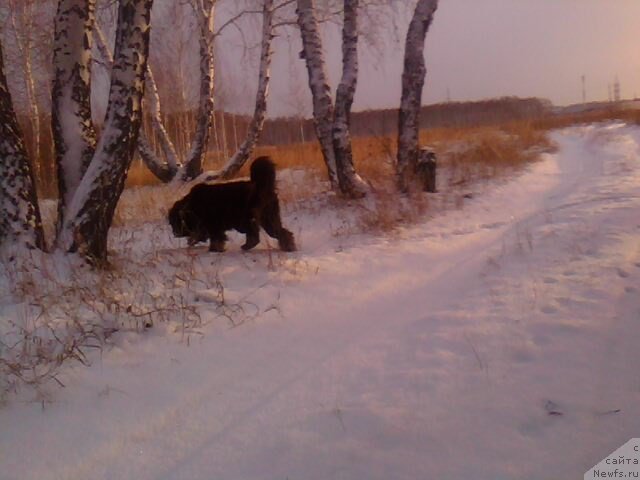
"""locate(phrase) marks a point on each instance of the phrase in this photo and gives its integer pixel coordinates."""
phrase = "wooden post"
(426, 169)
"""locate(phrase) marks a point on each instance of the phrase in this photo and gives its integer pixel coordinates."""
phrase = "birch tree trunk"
(318, 84)
(412, 84)
(223, 126)
(102, 46)
(171, 164)
(255, 127)
(34, 111)
(350, 182)
(20, 222)
(193, 164)
(165, 170)
(170, 167)
(74, 135)
(89, 215)
(25, 43)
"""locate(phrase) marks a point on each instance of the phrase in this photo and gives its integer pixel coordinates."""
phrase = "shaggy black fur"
(208, 211)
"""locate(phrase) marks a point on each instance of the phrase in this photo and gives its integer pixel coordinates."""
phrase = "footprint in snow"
(541, 340)
(522, 355)
(622, 273)
(553, 408)
(491, 226)
(549, 310)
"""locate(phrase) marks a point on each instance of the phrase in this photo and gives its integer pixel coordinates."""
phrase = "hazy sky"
(486, 48)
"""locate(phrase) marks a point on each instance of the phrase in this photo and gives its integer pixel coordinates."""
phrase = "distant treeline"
(385, 122)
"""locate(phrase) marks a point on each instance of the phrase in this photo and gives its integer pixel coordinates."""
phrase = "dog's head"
(181, 219)
(185, 222)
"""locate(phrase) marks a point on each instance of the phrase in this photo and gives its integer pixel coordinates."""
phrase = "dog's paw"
(250, 243)
(216, 246)
(286, 242)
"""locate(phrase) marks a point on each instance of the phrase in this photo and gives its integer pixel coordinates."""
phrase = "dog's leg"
(217, 241)
(286, 241)
(253, 235)
(197, 237)
(285, 238)
(272, 224)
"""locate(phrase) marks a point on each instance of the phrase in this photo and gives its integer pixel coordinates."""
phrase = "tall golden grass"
(373, 156)
(509, 141)
(465, 155)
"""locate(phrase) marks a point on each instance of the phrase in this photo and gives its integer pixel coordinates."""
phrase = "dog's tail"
(263, 173)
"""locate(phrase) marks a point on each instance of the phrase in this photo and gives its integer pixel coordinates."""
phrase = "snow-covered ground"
(496, 341)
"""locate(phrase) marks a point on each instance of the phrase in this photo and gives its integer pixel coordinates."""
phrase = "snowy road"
(497, 341)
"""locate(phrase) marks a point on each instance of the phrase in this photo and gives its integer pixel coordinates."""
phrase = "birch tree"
(20, 222)
(74, 135)
(332, 130)
(318, 84)
(168, 166)
(164, 169)
(243, 152)
(413, 75)
(350, 181)
(88, 216)
(21, 17)
(193, 164)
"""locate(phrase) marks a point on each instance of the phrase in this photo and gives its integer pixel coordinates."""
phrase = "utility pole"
(584, 88)
(616, 90)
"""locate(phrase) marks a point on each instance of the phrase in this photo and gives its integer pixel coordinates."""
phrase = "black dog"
(208, 211)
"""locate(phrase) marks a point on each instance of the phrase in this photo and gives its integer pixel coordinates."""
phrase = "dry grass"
(492, 147)
(510, 143)
(603, 115)
(465, 156)
(58, 309)
(146, 204)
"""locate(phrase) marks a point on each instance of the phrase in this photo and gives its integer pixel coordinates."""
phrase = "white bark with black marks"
(350, 182)
(192, 167)
(171, 164)
(90, 213)
(20, 222)
(332, 125)
(318, 84)
(255, 127)
(102, 46)
(73, 131)
(164, 170)
(413, 76)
